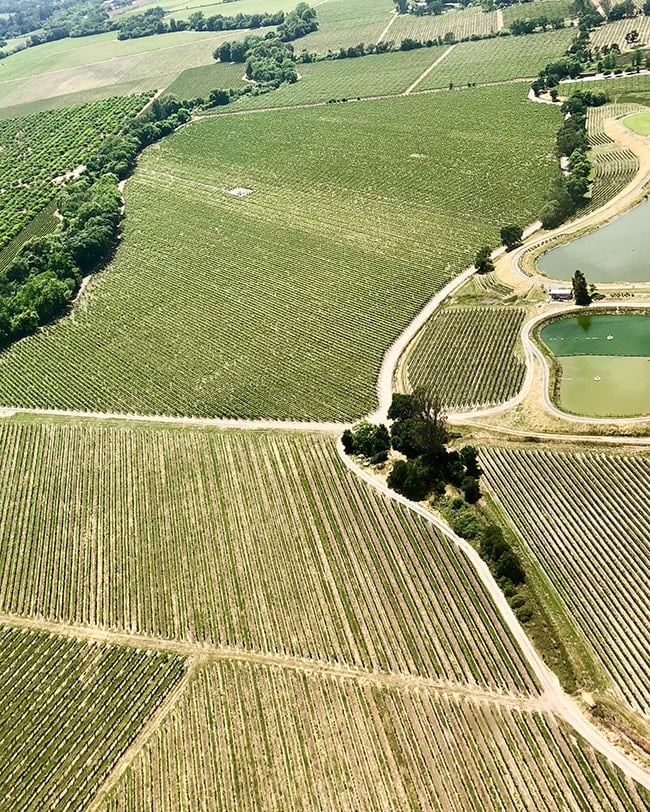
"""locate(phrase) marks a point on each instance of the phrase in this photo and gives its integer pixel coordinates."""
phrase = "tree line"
(38, 285)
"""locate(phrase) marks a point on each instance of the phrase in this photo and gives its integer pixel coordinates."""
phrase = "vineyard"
(498, 59)
(469, 356)
(367, 234)
(37, 149)
(615, 32)
(346, 23)
(199, 82)
(44, 223)
(69, 710)
(551, 9)
(212, 537)
(465, 23)
(582, 518)
(262, 738)
(375, 75)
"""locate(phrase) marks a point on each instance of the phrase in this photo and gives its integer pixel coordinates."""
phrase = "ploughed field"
(282, 303)
(583, 518)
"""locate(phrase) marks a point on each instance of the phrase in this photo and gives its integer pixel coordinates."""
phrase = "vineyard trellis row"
(69, 711)
(253, 737)
(469, 356)
(212, 537)
(591, 541)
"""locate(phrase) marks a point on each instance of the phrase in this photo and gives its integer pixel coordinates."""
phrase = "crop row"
(498, 59)
(36, 149)
(614, 169)
(44, 223)
(468, 356)
(464, 23)
(69, 710)
(346, 23)
(615, 32)
(214, 536)
(597, 116)
(551, 9)
(259, 738)
(282, 303)
(582, 517)
(376, 75)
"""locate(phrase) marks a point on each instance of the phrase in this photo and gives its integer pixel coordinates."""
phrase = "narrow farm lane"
(554, 698)
(394, 16)
(199, 652)
(424, 75)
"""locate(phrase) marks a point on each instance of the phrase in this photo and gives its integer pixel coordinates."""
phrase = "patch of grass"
(639, 123)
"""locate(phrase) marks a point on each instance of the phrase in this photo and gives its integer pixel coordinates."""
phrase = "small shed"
(561, 294)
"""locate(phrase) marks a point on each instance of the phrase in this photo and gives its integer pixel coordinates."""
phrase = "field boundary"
(424, 75)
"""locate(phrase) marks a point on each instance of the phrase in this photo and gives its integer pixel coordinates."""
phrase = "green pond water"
(617, 252)
(605, 363)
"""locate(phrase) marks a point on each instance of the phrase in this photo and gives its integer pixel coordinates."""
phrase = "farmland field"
(88, 65)
(212, 537)
(615, 32)
(498, 59)
(551, 9)
(199, 314)
(461, 24)
(468, 356)
(199, 82)
(263, 738)
(36, 149)
(375, 75)
(581, 517)
(346, 23)
(69, 710)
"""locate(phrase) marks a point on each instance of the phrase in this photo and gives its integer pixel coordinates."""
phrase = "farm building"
(561, 294)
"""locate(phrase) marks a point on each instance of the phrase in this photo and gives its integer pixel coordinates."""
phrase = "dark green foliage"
(298, 23)
(470, 489)
(483, 262)
(469, 457)
(511, 236)
(503, 561)
(401, 407)
(379, 457)
(464, 523)
(411, 478)
(367, 440)
(580, 290)
(152, 22)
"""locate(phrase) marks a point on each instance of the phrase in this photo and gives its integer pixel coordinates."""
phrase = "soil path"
(499, 19)
(424, 75)
(395, 15)
(199, 652)
(553, 696)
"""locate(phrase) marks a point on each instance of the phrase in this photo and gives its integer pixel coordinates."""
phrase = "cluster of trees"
(298, 23)
(39, 283)
(521, 27)
(506, 567)
(568, 192)
(152, 22)
(628, 8)
(511, 236)
(419, 431)
(53, 20)
(427, 7)
(269, 61)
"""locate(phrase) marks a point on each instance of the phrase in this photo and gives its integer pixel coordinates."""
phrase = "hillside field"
(367, 236)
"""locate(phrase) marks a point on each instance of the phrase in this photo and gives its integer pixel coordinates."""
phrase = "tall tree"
(580, 290)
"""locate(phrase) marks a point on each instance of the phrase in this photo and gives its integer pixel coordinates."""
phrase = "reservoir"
(604, 362)
(617, 252)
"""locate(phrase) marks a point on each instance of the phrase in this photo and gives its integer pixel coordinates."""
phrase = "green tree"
(483, 262)
(580, 290)
(511, 236)
(470, 489)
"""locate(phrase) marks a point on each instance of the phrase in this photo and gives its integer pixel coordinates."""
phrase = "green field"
(551, 9)
(469, 356)
(632, 89)
(199, 82)
(345, 23)
(639, 123)
(39, 148)
(326, 743)
(200, 313)
(582, 517)
(69, 711)
(79, 69)
(498, 59)
(212, 536)
(466, 23)
(376, 75)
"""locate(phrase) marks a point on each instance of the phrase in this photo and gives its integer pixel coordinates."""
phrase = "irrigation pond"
(604, 363)
(616, 252)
